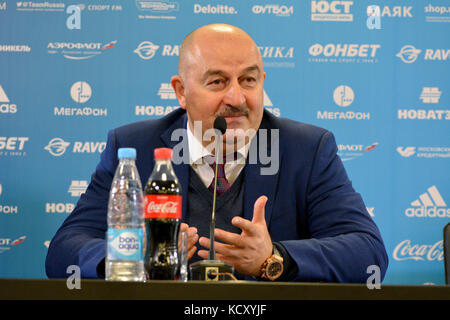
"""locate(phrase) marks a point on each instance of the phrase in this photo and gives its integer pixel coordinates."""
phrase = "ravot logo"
(146, 50)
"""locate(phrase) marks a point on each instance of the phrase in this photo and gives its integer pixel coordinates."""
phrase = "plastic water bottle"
(124, 254)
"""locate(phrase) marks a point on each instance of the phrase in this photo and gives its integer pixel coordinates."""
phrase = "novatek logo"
(78, 187)
(430, 95)
(5, 105)
(52, 207)
(331, 11)
(430, 204)
(166, 92)
(214, 9)
(79, 50)
(275, 9)
(418, 252)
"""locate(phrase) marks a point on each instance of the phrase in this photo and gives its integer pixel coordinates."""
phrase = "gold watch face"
(274, 270)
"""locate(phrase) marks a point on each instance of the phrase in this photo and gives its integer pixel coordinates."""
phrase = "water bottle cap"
(126, 153)
(163, 153)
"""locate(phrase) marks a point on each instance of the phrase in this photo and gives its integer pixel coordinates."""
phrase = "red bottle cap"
(163, 153)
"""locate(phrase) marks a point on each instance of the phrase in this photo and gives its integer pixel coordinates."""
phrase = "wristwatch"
(272, 268)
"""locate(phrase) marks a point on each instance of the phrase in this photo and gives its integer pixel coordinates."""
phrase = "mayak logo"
(79, 50)
(425, 252)
(430, 95)
(78, 187)
(351, 151)
(5, 105)
(146, 50)
(331, 11)
(430, 204)
(7, 243)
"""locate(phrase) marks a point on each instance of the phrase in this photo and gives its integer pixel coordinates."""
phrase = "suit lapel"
(257, 184)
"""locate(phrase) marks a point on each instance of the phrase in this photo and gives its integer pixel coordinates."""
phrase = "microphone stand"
(212, 269)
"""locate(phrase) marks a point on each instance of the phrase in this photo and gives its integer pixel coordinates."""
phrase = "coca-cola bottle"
(162, 218)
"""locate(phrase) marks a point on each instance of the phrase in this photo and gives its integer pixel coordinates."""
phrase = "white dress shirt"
(200, 158)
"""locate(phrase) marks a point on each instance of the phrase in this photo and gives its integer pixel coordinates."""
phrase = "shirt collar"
(197, 152)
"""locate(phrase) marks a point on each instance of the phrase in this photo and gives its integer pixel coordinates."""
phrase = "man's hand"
(247, 251)
(192, 238)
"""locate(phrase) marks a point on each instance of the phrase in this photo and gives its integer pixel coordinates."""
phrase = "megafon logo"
(429, 205)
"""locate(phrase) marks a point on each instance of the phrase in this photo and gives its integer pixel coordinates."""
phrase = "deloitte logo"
(430, 204)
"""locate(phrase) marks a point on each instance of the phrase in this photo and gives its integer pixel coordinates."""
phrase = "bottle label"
(162, 206)
(125, 244)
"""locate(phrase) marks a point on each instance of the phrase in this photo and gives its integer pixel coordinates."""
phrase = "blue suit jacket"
(313, 210)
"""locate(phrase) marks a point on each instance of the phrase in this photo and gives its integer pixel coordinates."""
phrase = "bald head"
(207, 35)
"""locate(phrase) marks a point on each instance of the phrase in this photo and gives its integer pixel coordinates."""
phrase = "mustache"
(230, 111)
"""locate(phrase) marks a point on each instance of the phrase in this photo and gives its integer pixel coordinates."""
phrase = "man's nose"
(234, 95)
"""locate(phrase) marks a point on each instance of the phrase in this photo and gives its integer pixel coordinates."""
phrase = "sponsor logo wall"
(376, 77)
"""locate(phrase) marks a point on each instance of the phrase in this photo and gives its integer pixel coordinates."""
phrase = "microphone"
(212, 269)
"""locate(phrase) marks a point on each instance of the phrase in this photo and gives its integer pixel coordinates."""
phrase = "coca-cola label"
(161, 206)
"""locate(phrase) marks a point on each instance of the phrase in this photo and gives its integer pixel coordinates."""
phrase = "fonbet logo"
(79, 50)
(12, 146)
(409, 54)
(343, 96)
(418, 252)
(57, 147)
(343, 53)
(331, 11)
(429, 205)
(5, 105)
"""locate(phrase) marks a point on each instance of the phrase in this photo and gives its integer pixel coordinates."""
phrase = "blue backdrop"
(378, 78)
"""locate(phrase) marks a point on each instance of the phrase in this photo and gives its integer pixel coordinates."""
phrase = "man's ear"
(178, 86)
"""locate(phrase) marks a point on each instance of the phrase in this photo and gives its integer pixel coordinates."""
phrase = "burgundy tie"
(222, 182)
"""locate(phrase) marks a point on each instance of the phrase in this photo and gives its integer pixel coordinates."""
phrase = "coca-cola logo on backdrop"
(418, 252)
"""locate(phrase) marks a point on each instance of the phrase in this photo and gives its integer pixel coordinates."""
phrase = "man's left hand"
(246, 251)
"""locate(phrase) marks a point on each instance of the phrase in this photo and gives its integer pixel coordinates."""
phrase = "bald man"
(303, 222)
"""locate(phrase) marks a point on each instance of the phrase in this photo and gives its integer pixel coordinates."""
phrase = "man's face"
(224, 77)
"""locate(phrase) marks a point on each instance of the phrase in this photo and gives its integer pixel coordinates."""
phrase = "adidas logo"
(430, 204)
